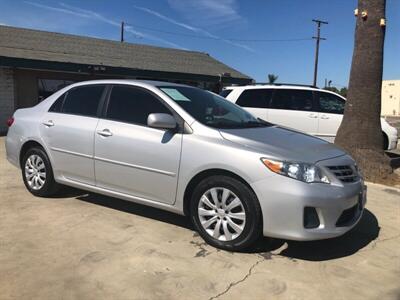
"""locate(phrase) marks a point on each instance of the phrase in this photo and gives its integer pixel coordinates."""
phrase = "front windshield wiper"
(225, 124)
(258, 123)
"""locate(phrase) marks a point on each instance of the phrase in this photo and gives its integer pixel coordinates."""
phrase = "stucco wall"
(391, 98)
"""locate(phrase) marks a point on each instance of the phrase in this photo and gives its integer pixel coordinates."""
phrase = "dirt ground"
(87, 246)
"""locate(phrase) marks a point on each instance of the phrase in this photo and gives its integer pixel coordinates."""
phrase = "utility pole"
(318, 38)
(122, 31)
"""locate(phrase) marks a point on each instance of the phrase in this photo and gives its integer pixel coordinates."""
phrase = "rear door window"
(57, 105)
(83, 100)
(330, 103)
(292, 99)
(256, 98)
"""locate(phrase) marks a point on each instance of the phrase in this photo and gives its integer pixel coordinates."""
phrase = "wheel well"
(199, 177)
(385, 141)
(28, 145)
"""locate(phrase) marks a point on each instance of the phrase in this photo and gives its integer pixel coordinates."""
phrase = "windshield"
(210, 109)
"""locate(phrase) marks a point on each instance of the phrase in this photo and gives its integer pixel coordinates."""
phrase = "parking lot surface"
(82, 245)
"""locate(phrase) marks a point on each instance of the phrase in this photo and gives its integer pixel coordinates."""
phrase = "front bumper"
(393, 143)
(283, 200)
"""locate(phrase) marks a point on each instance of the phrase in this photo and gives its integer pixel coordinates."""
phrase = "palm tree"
(272, 78)
(360, 132)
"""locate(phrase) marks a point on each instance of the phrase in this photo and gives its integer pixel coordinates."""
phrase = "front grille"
(345, 174)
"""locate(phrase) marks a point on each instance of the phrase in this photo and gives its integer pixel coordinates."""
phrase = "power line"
(218, 38)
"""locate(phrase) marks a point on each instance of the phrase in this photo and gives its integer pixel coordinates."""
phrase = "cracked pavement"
(87, 246)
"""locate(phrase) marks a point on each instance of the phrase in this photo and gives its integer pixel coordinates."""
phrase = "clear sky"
(226, 29)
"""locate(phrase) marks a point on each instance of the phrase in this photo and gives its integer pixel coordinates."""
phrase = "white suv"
(308, 109)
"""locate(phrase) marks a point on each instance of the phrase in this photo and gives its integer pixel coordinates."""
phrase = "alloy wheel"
(221, 214)
(35, 172)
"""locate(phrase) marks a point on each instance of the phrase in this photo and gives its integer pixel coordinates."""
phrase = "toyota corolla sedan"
(188, 151)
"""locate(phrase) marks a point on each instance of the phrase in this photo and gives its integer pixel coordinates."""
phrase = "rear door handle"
(314, 116)
(105, 132)
(49, 123)
(325, 117)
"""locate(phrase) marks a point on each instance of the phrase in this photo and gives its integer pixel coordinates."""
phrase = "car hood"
(282, 143)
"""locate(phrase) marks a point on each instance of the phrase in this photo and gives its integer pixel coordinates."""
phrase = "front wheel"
(226, 213)
(37, 173)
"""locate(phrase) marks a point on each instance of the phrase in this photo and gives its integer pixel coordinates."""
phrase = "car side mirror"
(163, 121)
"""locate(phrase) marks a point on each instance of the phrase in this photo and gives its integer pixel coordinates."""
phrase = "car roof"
(280, 86)
(273, 86)
(154, 83)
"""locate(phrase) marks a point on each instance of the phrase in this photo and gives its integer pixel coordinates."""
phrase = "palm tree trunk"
(360, 132)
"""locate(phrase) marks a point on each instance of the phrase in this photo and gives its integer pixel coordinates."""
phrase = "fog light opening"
(310, 218)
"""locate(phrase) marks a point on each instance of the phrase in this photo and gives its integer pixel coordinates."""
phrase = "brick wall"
(6, 97)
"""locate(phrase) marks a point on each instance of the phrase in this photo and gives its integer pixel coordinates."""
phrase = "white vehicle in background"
(311, 110)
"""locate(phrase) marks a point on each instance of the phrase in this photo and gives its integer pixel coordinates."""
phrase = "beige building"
(391, 98)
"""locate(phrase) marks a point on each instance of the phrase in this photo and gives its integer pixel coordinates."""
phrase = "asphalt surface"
(85, 246)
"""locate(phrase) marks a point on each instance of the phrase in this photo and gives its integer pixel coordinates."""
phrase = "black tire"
(50, 186)
(253, 224)
(385, 141)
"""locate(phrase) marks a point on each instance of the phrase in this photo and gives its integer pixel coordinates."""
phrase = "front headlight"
(300, 171)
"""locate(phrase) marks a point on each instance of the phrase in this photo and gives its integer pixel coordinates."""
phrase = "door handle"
(314, 116)
(49, 123)
(105, 132)
(325, 117)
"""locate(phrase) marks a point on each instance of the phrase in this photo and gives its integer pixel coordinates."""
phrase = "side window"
(292, 99)
(56, 106)
(83, 100)
(257, 98)
(225, 93)
(133, 105)
(330, 103)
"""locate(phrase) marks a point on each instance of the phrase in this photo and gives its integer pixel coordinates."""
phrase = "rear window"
(225, 93)
(330, 103)
(257, 98)
(292, 99)
(83, 101)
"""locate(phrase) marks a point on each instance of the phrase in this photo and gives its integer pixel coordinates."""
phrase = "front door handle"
(105, 132)
(49, 123)
(325, 117)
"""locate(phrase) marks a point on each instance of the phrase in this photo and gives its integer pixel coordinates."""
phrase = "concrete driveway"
(87, 246)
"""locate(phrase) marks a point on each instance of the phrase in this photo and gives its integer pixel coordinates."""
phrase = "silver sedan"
(188, 151)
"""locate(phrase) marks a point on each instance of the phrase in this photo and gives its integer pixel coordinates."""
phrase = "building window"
(49, 86)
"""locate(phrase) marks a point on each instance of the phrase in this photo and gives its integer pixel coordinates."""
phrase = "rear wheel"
(37, 173)
(226, 213)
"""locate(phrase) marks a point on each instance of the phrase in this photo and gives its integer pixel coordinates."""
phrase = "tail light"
(10, 121)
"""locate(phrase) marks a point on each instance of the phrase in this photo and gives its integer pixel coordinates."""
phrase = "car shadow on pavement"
(366, 231)
(136, 209)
